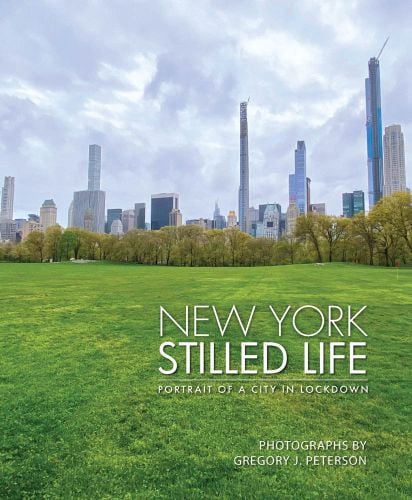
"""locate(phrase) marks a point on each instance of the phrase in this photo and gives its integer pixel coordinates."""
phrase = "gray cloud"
(158, 85)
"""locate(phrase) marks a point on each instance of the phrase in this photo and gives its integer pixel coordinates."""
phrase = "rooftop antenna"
(248, 99)
(383, 46)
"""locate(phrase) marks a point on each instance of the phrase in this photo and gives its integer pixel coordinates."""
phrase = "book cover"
(205, 249)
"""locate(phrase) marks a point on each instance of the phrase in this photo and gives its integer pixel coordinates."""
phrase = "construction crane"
(383, 46)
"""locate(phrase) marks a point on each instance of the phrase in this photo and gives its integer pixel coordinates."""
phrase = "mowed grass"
(80, 416)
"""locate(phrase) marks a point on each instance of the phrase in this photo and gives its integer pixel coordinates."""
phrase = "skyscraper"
(88, 206)
(394, 160)
(244, 169)
(218, 219)
(48, 214)
(88, 210)
(128, 220)
(95, 166)
(231, 219)
(7, 199)
(308, 181)
(140, 215)
(270, 226)
(161, 206)
(353, 203)
(299, 184)
(374, 132)
(175, 218)
(292, 215)
(112, 215)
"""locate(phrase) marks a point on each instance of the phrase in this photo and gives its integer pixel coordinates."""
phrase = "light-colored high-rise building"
(218, 219)
(88, 210)
(8, 230)
(95, 167)
(70, 215)
(48, 214)
(292, 214)
(203, 223)
(89, 206)
(7, 199)
(318, 208)
(231, 219)
(116, 227)
(270, 226)
(128, 220)
(29, 227)
(394, 160)
(244, 169)
(175, 217)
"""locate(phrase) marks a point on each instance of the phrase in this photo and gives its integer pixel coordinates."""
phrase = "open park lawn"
(80, 416)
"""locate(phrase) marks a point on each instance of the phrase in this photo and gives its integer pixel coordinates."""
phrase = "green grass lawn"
(80, 415)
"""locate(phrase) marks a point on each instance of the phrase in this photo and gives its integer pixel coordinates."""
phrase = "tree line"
(383, 237)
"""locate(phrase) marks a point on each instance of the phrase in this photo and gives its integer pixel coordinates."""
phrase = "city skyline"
(170, 123)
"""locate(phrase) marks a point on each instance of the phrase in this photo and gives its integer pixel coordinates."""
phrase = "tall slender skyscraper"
(7, 199)
(244, 169)
(298, 182)
(88, 206)
(394, 160)
(95, 166)
(374, 132)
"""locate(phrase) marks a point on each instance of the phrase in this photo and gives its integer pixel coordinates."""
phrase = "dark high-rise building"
(112, 215)
(140, 215)
(262, 209)
(298, 182)
(244, 169)
(353, 203)
(161, 206)
(358, 202)
(374, 132)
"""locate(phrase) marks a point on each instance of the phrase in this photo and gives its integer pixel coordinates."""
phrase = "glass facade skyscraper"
(140, 215)
(162, 205)
(95, 166)
(298, 182)
(353, 203)
(112, 215)
(374, 132)
(244, 169)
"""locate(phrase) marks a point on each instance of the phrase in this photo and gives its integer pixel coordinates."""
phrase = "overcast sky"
(158, 85)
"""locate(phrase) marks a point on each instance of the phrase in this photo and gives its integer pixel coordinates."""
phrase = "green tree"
(332, 229)
(53, 242)
(35, 245)
(365, 227)
(307, 227)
